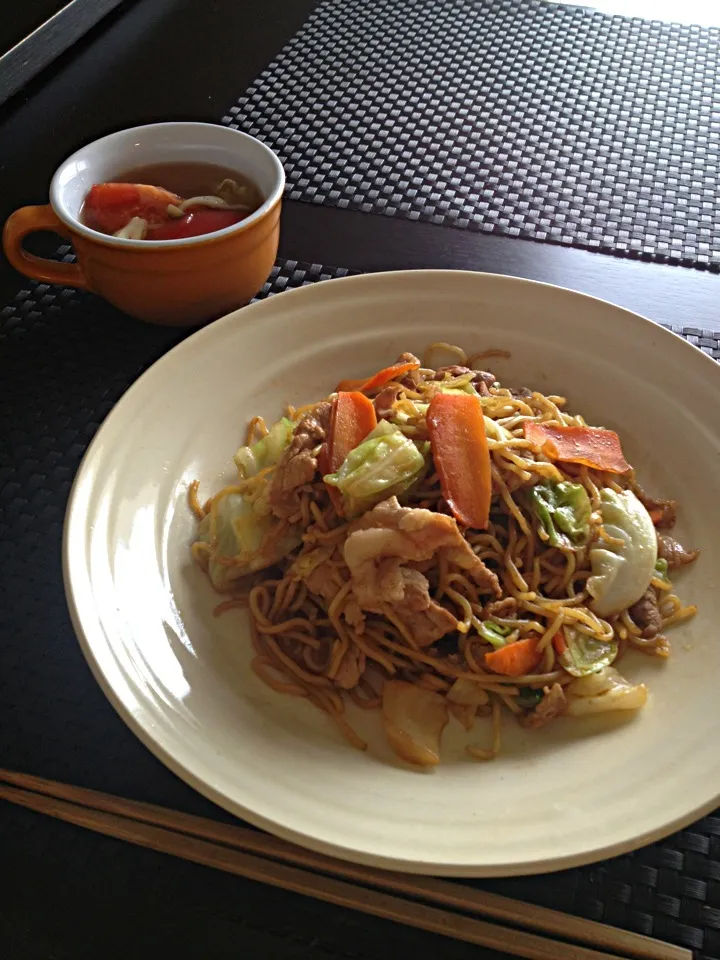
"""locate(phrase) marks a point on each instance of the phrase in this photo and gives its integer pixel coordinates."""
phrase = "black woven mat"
(547, 122)
(65, 359)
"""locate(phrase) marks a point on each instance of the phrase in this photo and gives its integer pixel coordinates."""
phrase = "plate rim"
(226, 802)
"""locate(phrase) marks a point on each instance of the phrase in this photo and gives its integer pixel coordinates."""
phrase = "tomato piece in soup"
(109, 207)
(196, 222)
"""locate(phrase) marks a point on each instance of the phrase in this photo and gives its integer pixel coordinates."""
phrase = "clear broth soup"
(191, 179)
(169, 201)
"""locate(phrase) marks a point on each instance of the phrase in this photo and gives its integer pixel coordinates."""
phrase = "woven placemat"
(548, 122)
(65, 359)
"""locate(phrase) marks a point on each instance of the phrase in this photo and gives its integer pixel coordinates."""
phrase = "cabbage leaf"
(584, 655)
(603, 692)
(624, 564)
(266, 452)
(240, 534)
(563, 510)
(385, 464)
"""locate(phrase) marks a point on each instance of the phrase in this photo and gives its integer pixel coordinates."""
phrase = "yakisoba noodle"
(516, 617)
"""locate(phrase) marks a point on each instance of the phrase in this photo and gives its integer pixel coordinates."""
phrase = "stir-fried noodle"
(364, 584)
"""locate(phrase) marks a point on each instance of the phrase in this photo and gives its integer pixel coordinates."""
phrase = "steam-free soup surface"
(190, 179)
(170, 201)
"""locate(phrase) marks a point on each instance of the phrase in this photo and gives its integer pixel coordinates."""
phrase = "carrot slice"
(381, 377)
(591, 446)
(516, 659)
(560, 643)
(352, 419)
(460, 452)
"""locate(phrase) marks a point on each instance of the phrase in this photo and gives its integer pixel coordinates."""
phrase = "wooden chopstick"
(440, 892)
(185, 836)
(338, 892)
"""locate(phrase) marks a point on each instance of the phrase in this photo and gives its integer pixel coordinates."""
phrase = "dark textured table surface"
(73, 895)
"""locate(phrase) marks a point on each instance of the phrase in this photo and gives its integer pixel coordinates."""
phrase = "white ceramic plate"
(573, 793)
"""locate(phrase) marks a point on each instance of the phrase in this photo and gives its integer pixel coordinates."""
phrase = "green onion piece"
(494, 633)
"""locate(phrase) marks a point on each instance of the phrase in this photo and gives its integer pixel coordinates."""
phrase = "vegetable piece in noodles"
(564, 510)
(494, 633)
(414, 721)
(592, 446)
(623, 565)
(383, 465)
(467, 693)
(460, 452)
(515, 659)
(465, 388)
(661, 570)
(603, 692)
(353, 419)
(381, 377)
(266, 452)
(240, 540)
(581, 654)
(240, 531)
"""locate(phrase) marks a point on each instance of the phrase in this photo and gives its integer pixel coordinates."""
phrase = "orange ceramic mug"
(177, 282)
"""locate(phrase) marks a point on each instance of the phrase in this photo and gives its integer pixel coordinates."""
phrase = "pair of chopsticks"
(267, 859)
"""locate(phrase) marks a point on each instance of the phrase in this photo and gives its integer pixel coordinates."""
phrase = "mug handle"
(28, 220)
